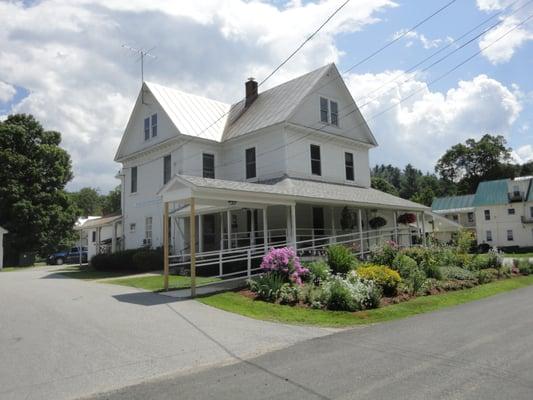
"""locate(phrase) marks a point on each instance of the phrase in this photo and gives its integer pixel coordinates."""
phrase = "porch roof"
(98, 222)
(286, 191)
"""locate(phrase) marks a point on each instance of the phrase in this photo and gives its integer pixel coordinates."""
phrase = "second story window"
(334, 113)
(348, 164)
(146, 128)
(324, 110)
(316, 167)
(487, 215)
(208, 165)
(250, 163)
(167, 168)
(154, 125)
(133, 180)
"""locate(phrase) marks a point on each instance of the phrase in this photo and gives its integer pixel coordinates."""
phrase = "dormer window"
(150, 127)
(329, 111)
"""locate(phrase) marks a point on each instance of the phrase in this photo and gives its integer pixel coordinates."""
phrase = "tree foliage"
(89, 201)
(476, 160)
(34, 170)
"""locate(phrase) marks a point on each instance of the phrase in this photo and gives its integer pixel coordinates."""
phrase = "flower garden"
(390, 275)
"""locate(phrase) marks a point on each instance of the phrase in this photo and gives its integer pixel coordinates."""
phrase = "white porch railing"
(243, 261)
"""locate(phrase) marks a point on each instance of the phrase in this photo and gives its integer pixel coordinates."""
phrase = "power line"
(389, 43)
(321, 129)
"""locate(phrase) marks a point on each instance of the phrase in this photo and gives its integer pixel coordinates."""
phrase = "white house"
(501, 212)
(2, 233)
(287, 164)
(102, 234)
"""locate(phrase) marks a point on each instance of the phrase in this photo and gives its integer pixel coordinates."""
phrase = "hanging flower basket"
(377, 222)
(407, 218)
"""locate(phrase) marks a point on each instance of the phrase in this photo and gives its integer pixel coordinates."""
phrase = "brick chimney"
(251, 91)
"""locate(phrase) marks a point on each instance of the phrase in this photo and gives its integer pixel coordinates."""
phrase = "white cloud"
(511, 33)
(420, 129)
(68, 55)
(7, 92)
(523, 154)
(412, 36)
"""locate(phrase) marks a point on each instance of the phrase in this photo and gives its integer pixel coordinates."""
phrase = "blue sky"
(62, 61)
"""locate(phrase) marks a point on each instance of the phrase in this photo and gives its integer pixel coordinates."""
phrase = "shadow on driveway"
(146, 298)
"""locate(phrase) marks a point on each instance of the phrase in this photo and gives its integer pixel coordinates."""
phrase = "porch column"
(252, 225)
(418, 224)
(424, 240)
(228, 217)
(165, 246)
(360, 226)
(193, 247)
(265, 229)
(396, 235)
(221, 231)
(200, 234)
(293, 225)
(333, 229)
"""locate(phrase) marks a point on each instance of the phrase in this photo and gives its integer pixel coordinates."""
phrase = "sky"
(63, 61)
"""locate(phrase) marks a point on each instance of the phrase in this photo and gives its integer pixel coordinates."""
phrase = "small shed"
(2, 233)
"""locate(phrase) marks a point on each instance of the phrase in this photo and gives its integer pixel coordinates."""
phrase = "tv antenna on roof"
(142, 54)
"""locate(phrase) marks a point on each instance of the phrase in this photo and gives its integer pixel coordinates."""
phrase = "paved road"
(64, 338)
(481, 350)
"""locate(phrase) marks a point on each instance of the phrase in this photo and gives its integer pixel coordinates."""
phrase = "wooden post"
(165, 246)
(200, 234)
(192, 229)
(265, 229)
(360, 226)
(252, 227)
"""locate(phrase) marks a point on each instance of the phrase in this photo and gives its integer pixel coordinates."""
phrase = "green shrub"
(466, 241)
(525, 267)
(340, 259)
(387, 279)
(415, 280)
(404, 265)
(458, 273)
(313, 295)
(486, 275)
(289, 294)
(267, 286)
(424, 256)
(432, 271)
(319, 271)
(479, 262)
(384, 254)
(134, 261)
(350, 294)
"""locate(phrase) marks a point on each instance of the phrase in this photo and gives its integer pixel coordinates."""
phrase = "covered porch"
(223, 228)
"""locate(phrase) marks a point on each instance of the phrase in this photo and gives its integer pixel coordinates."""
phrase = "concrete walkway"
(64, 338)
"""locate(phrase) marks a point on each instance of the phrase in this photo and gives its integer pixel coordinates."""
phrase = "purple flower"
(285, 262)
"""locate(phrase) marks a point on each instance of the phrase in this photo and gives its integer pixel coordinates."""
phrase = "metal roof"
(490, 193)
(96, 222)
(302, 190)
(272, 106)
(192, 115)
(453, 203)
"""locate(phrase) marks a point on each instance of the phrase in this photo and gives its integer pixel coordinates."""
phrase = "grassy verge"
(25, 267)
(234, 302)
(155, 283)
(519, 255)
(87, 273)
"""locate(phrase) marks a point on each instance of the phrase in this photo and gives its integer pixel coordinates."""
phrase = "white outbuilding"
(2, 233)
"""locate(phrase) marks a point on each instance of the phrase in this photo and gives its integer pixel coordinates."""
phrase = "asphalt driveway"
(64, 338)
(478, 351)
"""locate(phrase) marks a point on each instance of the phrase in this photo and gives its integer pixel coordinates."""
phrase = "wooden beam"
(192, 229)
(165, 247)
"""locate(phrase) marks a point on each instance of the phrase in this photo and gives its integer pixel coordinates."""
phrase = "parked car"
(71, 256)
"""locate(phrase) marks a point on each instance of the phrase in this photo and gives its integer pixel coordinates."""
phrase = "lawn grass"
(235, 302)
(22, 268)
(155, 283)
(519, 255)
